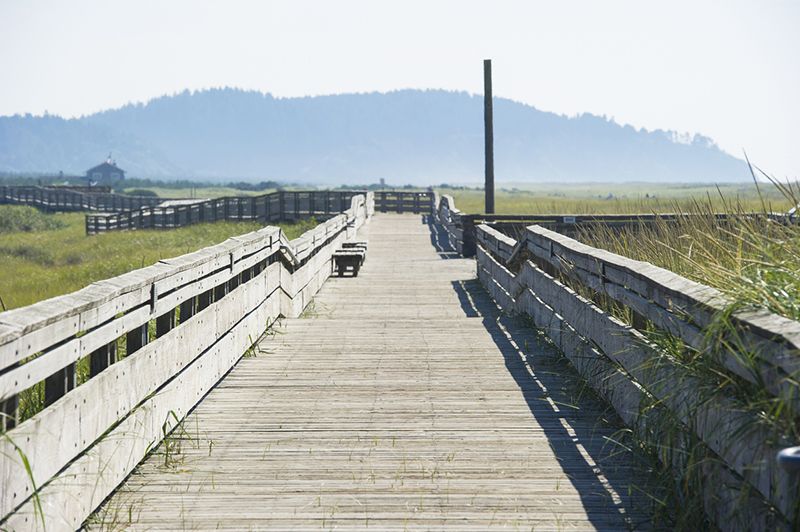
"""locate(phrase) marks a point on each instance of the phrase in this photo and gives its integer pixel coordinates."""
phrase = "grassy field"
(45, 255)
(595, 198)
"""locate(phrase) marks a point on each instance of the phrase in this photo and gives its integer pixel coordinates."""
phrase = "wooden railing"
(181, 325)
(446, 214)
(461, 227)
(402, 201)
(278, 206)
(115, 212)
(569, 290)
(61, 199)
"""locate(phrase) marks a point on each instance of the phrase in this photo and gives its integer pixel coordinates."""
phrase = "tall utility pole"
(488, 135)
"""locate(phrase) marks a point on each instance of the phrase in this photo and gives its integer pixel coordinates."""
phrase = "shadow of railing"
(440, 240)
(582, 431)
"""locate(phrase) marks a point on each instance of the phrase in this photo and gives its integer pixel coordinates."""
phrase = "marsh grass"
(629, 198)
(755, 261)
(58, 257)
(21, 218)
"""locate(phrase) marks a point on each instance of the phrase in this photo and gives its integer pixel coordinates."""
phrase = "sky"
(726, 69)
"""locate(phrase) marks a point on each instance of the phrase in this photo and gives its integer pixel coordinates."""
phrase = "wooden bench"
(355, 245)
(350, 257)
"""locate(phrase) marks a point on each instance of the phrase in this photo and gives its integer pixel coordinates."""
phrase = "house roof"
(105, 166)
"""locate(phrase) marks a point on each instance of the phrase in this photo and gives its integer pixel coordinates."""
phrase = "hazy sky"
(728, 69)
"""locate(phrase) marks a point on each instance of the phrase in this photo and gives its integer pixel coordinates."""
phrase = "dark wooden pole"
(488, 135)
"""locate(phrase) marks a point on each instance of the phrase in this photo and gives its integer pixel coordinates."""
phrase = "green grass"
(59, 258)
(21, 218)
(754, 260)
(629, 198)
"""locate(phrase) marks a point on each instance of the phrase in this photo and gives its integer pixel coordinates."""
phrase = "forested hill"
(407, 136)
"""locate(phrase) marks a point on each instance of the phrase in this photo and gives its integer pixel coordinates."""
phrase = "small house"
(105, 172)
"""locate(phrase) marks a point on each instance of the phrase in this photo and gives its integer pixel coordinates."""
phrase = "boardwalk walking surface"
(401, 400)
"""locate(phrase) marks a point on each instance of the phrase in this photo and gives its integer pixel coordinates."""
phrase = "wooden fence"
(576, 293)
(462, 227)
(115, 212)
(63, 199)
(278, 206)
(281, 206)
(181, 324)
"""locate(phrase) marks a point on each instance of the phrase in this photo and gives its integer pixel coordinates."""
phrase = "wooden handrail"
(523, 276)
(206, 308)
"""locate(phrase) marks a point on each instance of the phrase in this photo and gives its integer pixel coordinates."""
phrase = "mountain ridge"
(406, 136)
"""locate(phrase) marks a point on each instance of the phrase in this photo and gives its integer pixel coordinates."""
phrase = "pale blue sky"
(727, 69)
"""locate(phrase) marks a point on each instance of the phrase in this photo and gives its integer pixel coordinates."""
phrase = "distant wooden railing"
(568, 289)
(117, 212)
(278, 206)
(281, 206)
(403, 201)
(461, 227)
(62, 199)
(182, 324)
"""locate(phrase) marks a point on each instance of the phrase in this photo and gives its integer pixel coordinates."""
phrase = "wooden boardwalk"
(400, 400)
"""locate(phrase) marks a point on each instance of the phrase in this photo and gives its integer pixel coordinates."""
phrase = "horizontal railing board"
(757, 372)
(777, 338)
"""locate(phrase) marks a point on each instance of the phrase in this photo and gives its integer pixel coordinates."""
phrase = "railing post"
(136, 339)
(187, 309)
(103, 357)
(8, 413)
(165, 323)
(468, 245)
(58, 384)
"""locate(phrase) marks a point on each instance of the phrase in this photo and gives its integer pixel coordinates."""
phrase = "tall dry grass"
(752, 257)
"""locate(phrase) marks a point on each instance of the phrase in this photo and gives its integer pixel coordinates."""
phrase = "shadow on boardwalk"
(584, 433)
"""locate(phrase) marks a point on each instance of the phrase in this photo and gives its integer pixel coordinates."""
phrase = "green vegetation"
(753, 259)
(141, 192)
(20, 218)
(58, 257)
(628, 198)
